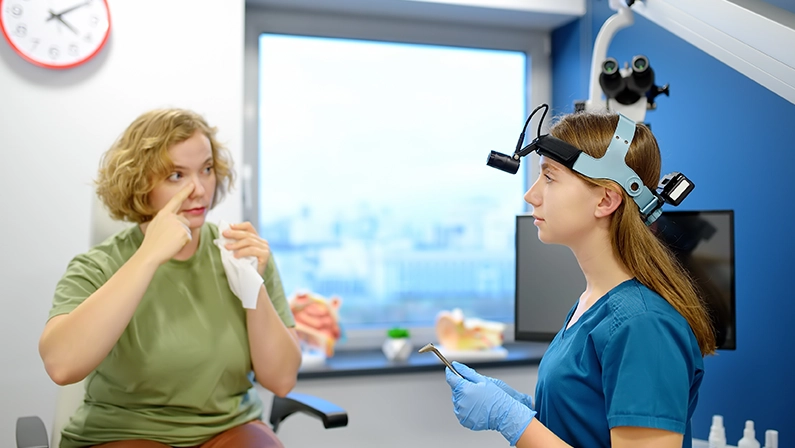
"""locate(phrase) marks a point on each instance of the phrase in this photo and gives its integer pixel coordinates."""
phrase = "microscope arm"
(618, 21)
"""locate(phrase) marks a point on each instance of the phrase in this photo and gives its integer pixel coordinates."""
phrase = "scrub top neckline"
(567, 329)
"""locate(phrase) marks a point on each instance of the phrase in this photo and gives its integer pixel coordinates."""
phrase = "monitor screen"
(549, 281)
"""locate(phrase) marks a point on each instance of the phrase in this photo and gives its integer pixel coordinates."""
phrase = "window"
(371, 177)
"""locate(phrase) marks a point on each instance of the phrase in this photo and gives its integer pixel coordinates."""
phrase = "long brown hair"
(651, 262)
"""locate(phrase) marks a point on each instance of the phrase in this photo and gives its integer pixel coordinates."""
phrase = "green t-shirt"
(181, 371)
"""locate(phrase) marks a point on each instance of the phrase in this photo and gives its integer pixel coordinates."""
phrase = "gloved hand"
(480, 403)
(525, 399)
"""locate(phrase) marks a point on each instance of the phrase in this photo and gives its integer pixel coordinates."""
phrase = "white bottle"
(717, 433)
(749, 436)
(771, 438)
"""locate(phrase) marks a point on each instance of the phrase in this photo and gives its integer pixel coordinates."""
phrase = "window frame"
(536, 44)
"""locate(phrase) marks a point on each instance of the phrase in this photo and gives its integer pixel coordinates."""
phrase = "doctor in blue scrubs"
(625, 368)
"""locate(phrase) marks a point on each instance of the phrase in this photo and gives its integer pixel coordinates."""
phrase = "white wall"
(54, 125)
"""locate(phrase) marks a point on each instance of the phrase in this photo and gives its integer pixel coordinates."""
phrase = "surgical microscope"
(629, 90)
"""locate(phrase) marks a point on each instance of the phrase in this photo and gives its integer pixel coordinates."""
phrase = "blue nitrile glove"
(481, 404)
(525, 399)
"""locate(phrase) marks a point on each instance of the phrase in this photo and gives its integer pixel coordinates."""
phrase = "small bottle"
(749, 436)
(717, 433)
(771, 438)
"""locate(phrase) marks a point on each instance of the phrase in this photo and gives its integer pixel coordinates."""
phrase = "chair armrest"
(332, 415)
(31, 433)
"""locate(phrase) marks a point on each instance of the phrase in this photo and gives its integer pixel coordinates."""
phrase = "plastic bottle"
(717, 433)
(749, 436)
(771, 438)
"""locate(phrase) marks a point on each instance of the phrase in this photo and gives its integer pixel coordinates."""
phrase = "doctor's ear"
(609, 202)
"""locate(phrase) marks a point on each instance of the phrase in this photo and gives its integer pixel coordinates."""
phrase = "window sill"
(373, 362)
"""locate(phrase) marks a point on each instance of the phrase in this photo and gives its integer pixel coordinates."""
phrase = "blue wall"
(734, 138)
(788, 5)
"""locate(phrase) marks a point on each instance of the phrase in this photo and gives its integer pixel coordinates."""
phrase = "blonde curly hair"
(139, 160)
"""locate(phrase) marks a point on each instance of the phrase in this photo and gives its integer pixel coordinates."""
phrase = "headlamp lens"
(503, 162)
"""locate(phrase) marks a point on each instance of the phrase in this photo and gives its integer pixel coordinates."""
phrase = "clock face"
(55, 33)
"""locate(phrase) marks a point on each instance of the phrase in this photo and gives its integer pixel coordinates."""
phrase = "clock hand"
(58, 16)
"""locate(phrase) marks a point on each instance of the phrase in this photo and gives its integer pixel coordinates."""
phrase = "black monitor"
(549, 281)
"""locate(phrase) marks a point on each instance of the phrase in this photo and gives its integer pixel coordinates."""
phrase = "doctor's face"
(563, 204)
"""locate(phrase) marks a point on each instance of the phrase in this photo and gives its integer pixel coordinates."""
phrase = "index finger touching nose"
(177, 200)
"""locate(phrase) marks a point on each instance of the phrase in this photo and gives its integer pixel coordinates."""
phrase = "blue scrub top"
(630, 360)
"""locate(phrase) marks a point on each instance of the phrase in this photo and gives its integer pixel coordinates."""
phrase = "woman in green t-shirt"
(148, 317)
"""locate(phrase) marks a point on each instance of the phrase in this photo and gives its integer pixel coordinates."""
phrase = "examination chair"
(31, 432)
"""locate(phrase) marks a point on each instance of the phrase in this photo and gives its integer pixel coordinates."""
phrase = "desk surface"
(373, 362)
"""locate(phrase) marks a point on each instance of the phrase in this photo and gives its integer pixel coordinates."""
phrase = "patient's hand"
(168, 232)
(248, 244)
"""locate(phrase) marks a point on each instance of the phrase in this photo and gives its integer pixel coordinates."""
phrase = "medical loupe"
(673, 188)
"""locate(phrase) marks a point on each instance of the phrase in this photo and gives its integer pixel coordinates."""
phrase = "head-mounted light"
(674, 187)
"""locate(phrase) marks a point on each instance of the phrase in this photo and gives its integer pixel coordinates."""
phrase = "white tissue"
(244, 280)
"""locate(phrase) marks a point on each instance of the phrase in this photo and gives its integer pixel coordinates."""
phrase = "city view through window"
(373, 184)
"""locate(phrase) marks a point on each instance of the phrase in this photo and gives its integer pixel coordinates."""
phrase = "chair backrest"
(70, 397)
(102, 225)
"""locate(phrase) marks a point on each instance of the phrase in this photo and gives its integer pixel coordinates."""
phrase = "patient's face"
(193, 163)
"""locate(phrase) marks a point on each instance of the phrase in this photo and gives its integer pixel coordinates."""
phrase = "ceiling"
(522, 14)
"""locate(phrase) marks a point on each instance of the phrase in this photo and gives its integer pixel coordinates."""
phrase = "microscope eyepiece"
(610, 66)
(641, 80)
(610, 79)
(640, 63)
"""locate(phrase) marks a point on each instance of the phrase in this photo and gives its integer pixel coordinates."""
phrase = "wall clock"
(55, 34)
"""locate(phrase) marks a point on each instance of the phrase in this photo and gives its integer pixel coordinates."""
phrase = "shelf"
(373, 362)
